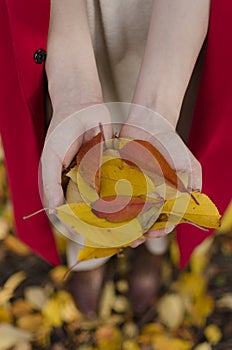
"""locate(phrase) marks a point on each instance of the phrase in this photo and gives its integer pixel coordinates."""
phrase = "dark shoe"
(144, 280)
(85, 287)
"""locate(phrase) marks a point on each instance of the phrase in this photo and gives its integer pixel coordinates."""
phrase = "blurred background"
(192, 311)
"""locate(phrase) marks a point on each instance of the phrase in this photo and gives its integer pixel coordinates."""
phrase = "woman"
(167, 50)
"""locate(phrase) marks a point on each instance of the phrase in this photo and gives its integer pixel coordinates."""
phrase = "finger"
(51, 178)
(105, 128)
(160, 232)
(72, 151)
(195, 182)
(138, 242)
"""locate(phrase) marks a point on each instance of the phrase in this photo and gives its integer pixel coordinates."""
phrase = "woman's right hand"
(73, 85)
(64, 138)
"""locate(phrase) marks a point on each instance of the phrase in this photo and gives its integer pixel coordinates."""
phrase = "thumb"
(51, 179)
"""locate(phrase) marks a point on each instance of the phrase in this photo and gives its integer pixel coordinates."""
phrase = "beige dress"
(119, 29)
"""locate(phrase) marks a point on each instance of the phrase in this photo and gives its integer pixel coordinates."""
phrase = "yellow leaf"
(72, 174)
(108, 337)
(119, 178)
(5, 315)
(25, 345)
(78, 188)
(10, 285)
(130, 345)
(163, 342)
(88, 193)
(174, 251)
(11, 336)
(203, 346)
(57, 273)
(42, 336)
(226, 225)
(21, 307)
(175, 315)
(225, 301)
(116, 144)
(16, 246)
(91, 253)
(213, 334)
(99, 232)
(4, 228)
(13, 282)
(202, 307)
(190, 284)
(205, 214)
(61, 240)
(35, 296)
(107, 300)
(52, 312)
(72, 193)
(5, 296)
(30, 322)
(200, 258)
(153, 328)
(69, 312)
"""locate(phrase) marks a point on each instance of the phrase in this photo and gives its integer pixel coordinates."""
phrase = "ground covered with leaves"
(193, 309)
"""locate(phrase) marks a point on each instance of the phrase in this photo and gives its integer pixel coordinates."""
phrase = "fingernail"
(138, 242)
(51, 211)
(155, 234)
(169, 229)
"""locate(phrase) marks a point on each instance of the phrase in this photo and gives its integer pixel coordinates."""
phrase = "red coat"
(23, 30)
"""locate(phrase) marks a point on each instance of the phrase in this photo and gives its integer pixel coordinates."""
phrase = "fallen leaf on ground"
(108, 337)
(16, 246)
(57, 273)
(36, 297)
(10, 336)
(161, 342)
(30, 323)
(10, 285)
(203, 346)
(5, 314)
(175, 315)
(225, 301)
(213, 334)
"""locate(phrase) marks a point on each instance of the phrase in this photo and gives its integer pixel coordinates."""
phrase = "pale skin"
(177, 32)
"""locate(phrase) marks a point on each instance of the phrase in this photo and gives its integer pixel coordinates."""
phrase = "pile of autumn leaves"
(120, 189)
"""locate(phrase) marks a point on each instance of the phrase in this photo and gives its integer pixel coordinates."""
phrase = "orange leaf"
(120, 208)
(151, 161)
(89, 160)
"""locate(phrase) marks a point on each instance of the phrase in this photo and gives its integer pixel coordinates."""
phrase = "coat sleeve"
(22, 117)
(210, 136)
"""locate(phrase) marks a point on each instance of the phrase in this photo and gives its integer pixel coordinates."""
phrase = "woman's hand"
(74, 86)
(63, 142)
(144, 124)
(176, 34)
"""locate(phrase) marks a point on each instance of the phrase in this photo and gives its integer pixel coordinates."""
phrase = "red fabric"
(211, 132)
(23, 29)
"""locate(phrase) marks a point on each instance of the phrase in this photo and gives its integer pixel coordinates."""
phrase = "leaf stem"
(37, 212)
(103, 135)
(194, 198)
